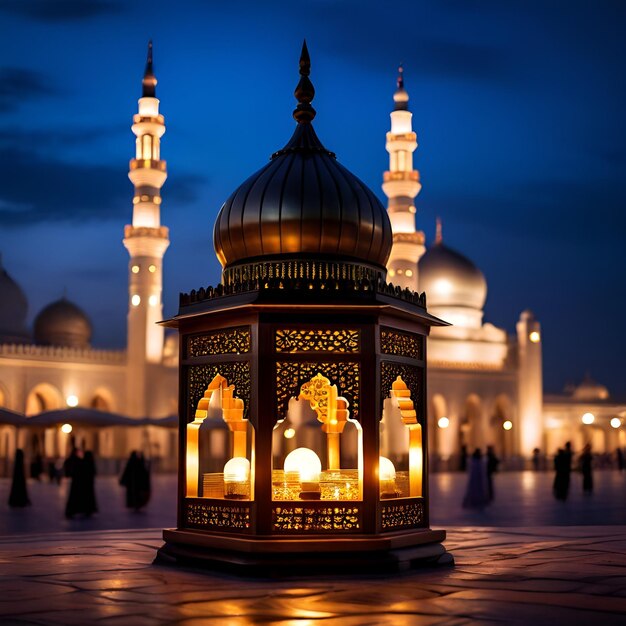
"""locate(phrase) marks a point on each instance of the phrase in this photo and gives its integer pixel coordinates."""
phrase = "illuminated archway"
(219, 402)
(472, 432)
(43, 397)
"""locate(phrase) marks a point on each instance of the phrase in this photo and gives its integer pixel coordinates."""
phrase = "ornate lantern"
(303, 380)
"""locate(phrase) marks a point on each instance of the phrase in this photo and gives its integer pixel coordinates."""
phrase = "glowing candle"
(308, 466)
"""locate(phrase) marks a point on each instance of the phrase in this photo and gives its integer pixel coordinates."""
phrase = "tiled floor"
(522, 499)
(574, 575)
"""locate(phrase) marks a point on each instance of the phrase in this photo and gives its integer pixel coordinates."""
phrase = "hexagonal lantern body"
(334, 366)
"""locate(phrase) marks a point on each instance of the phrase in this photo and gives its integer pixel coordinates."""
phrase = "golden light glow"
(135, 269)
(535, 337)
(507, 425)
(66, 428)
(616, 422)
(409, 273)
(237, 478)
(387, 477)
(152, 269)
(290, 433)
(588, 418)
(153, 300)
(402, 395)
(71, 400)
(306, 464)
(443, 422)
(135, 300)
(392, 273)
(237, 470)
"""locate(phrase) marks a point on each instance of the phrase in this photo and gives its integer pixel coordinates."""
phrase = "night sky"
(519, 108)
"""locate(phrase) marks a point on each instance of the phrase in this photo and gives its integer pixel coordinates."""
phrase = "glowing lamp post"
(303, 438)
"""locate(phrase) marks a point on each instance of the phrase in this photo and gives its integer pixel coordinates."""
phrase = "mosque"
(485, 386)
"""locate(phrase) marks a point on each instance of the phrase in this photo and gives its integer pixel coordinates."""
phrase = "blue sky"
(519, 109)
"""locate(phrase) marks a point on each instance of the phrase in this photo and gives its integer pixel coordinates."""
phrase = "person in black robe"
(492, 467)
(463, 459)
(73, 469)
(586, 459)
(136, 479)
(620, 459)
(89, 478)
(562, 469)
(18, 496)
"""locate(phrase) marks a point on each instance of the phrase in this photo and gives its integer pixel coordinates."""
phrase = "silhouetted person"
(136, 479)
(19, 495)
(36, 467)
(492, 467)
(88, 484)
(463, 459)
(586, 459)
(620, 459)
(82, 471)
(477, 494)
(562, 469)
(536, 459)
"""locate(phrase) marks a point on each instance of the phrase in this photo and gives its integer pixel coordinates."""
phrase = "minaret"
(146, 241)
(530, 385)
(401, 184)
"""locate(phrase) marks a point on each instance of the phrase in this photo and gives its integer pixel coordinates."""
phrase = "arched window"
(220, 446)
(317, 449)
(401, 448)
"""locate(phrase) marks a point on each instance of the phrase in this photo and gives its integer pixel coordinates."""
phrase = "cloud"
(18, 85)
(35, 189)
(59, 10)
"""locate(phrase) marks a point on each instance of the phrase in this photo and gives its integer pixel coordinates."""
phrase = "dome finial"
(438, 231)
(401, 76)
(305, 92)
(149, 80)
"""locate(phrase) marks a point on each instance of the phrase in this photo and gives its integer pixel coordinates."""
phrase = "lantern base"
(272, 557)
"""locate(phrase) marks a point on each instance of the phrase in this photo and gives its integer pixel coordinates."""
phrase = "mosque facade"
(485, 386)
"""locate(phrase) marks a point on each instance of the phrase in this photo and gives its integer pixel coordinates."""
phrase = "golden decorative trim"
(401, 344)
(314, 519)
(223, 517)
(319, 340)
(227, 341)
(405, 515)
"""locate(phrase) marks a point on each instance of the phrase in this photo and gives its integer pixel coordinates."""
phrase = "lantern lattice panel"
(219, 516)
(291, 375)
(410, 374)
(319, 519)
(319, 340)
(226, 341)
(401, 344)
(402, 515)
(235, 372)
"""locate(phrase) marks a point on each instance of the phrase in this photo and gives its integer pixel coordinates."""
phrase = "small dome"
(303, 205)
(13, 310)
(589, 389)
(450, 279)
(62, 323)
(401, 97)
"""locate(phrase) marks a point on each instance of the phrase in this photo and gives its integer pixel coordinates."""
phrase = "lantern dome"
(302, 206)
(62, 323)
(13, 310)
(451, 279)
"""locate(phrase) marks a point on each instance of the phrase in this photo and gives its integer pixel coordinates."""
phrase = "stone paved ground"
(574, 575)
(522, 499)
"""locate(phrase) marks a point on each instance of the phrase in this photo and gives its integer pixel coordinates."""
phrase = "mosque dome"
(62, 323)
(589, 389)
(303, 205)
(450, 279)
(13, 310)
